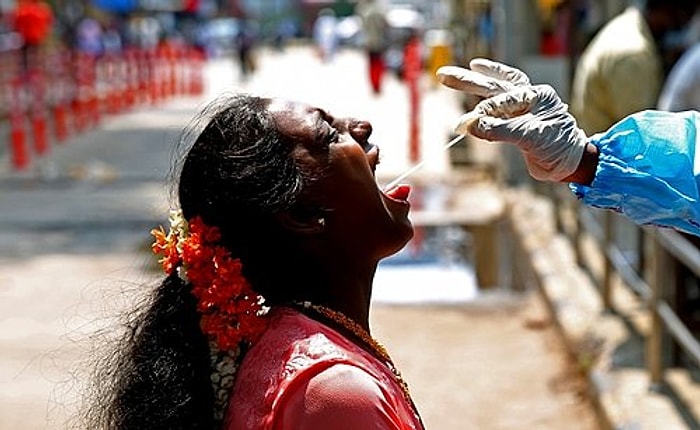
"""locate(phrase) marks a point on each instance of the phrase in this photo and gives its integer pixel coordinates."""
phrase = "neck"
(350, 329)
(347, 289)
(356, 310)
(351, 295)
(339, 282)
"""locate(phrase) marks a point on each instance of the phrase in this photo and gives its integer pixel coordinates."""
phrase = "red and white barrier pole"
(59, 89)
(412, 72)
(19, 153)
(413, 68)
(196, 75)
(131, 76)
(37, 112)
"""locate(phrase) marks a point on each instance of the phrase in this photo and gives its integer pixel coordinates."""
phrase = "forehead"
(303, 126)
(295, 119)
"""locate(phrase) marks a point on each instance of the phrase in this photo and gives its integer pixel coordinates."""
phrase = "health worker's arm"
(646, 168)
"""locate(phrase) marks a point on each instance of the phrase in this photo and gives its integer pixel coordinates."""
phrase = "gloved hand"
(533, 118)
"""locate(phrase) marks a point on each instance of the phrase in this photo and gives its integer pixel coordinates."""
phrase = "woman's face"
(359, 218)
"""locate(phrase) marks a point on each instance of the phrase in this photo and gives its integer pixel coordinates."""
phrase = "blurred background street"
(491, 312)
(74, 231)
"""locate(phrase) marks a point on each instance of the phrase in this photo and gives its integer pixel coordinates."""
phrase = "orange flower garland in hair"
(231, 311)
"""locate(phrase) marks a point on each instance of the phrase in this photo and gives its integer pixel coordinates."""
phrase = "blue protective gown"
(648, 170)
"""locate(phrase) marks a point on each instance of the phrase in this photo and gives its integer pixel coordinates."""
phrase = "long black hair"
(236, 175)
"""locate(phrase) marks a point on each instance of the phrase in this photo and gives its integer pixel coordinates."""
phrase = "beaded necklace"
(376, 348)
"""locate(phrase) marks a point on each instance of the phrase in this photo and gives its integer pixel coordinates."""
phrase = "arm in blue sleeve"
(648, 170)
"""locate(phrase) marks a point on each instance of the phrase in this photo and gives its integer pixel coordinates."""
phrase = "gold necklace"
(375, 347)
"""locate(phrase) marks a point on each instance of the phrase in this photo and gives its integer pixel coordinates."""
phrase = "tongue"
(401, 192)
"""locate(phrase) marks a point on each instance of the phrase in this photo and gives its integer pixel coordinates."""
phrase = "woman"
(262, 319)
(646, 166)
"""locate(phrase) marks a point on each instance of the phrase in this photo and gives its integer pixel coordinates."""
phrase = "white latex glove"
(484, 78)
(533, 118)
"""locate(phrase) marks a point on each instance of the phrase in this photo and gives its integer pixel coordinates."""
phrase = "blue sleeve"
(648, 170)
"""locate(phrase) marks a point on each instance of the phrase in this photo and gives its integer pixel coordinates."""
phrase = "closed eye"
(333, 136)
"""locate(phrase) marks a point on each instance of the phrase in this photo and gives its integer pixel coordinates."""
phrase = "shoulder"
(354, 385)
(291, 347)
(625, 34)
(342, 393)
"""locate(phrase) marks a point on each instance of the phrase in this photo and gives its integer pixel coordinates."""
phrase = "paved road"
(73, 230)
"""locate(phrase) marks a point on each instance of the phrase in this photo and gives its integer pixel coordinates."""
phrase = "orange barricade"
(37, 111)
(66, 91)
(144, 73)
(163, 71)
(196, 77)
(58, 91)
(153, 66)
(13, 108)
(112, 82)
(85, 104)
(131, 77)
(19, 153)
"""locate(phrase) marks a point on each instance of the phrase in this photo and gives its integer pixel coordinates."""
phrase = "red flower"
(166, 246)
(231, 310)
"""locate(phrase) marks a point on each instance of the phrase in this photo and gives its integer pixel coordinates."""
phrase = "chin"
(402, 239)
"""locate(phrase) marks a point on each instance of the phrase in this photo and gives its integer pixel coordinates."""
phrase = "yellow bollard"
(439, 47)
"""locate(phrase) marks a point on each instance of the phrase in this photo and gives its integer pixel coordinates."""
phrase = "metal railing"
(651, 278)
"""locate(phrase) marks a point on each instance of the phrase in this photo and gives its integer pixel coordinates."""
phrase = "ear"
(303, 224)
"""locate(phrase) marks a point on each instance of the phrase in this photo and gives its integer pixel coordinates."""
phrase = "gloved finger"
(494, 129)
(471, 82)
(466, 121)
(499, 71)
(548, 100)
(510, 104)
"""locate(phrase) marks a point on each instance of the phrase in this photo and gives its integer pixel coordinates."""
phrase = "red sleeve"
(341, 397)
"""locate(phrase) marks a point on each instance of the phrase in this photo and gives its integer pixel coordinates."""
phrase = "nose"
(361, 131)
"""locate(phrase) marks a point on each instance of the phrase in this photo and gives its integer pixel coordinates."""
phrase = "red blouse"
(303, 375)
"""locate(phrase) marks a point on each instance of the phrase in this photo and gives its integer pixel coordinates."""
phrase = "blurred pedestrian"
(112, 39)
(261, 320)
(644, 167)
(285, 30)
(681, 90)
(245, 43)
(621, 70)
(325, 34)
(375, 32)
(89, 37)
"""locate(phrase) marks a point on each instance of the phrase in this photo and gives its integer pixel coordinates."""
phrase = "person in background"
(112, 39)
(681, 90)
(245, 43)
(325, 34)
(262, 318)
(621, 71)
(375, 33)
(645, 166)
(89, 37)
